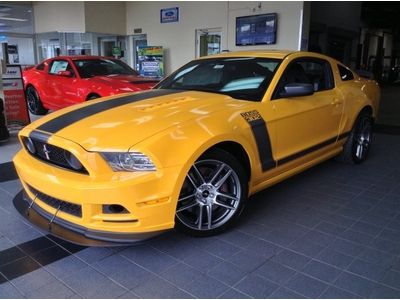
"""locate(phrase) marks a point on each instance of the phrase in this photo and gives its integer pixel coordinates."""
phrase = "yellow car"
(190, 152)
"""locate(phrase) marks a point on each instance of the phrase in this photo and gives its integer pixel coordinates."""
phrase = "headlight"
(30, 145)
(72, 161)
(128, 161)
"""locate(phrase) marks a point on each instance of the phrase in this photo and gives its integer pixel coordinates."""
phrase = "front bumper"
(72, 232)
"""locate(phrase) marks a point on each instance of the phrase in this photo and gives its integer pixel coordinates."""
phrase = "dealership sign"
(151, 61)
(16, 110)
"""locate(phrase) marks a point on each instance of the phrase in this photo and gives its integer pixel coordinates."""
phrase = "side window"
(317, 72)
(345, 74)
(40, 67)
(59, 66)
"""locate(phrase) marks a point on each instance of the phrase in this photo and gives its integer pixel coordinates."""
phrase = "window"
(59, 66)
(244, 78)
(317, 72)
(102, 67)
(345, 73)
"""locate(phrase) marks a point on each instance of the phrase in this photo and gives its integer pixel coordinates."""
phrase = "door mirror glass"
(297, 90)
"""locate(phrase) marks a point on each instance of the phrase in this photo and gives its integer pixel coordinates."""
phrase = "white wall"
(106, 17)
(59, 16)
(178, 38)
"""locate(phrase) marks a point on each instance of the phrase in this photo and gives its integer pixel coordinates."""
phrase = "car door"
(62, 83)
(306, 124)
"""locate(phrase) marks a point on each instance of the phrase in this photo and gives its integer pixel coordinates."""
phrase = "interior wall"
(106, 17)
(178, 38)
(59, 16)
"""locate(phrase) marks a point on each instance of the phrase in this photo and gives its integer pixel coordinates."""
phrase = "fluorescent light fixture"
(13, 19)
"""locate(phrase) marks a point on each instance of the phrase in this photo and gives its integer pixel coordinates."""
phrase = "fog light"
(114, 209)
(30, 145)
(72, 160)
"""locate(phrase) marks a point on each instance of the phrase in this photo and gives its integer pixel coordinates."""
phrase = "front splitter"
(71, 232)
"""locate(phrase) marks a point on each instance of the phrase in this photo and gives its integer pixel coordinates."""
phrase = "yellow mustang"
(189, 153)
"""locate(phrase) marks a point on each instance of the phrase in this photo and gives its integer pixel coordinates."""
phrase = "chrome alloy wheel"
(363, 138)
(210, 195)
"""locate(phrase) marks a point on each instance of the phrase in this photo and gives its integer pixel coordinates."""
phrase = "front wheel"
(213, 194)
(357, 147)
(35, 105)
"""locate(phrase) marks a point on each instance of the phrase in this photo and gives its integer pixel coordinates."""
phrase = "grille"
(67, 207)
(54, 155)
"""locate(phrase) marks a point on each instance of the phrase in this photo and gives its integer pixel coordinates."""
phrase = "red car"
(65, 80)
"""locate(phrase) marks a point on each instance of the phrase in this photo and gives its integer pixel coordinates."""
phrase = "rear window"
(345, 74)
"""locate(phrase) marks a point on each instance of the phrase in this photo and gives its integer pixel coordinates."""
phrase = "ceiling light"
(13, 19)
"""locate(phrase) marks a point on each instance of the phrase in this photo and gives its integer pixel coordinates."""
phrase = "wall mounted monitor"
(256, 30)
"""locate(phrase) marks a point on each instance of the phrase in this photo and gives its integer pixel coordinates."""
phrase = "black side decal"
(76, 115)
(260, 133)
(311, 149)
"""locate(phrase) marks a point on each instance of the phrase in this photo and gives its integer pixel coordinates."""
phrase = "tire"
(92, 96)
(358, 144)
(213, 195)
(35, 105)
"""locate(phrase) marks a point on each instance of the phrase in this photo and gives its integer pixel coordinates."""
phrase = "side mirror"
(297, 90)
(65, 73)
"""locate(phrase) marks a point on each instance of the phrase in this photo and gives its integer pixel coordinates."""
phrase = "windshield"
(102, 67)
(244, 78)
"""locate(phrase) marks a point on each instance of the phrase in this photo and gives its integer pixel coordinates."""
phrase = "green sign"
(116, 51)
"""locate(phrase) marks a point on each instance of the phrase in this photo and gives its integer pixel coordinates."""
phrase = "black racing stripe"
(7, 172)
(39, 136)
(311, 149)
(76, 115)
(261, 135)
(32, 255)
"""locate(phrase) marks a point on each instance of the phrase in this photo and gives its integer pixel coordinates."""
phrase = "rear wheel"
(213, 194)
(357, 147)
(35, 105)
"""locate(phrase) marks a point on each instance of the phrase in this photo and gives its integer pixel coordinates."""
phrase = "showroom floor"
(331, 232)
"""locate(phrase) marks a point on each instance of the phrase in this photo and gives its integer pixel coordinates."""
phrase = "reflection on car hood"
(98, 125)
(124, 79)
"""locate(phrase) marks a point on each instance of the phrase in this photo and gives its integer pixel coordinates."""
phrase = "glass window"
(59, 66)
(345, 73)
(244, 78)
(102, 67)
(317, 72)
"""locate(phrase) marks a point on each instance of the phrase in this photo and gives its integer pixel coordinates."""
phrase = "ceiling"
(16, 17)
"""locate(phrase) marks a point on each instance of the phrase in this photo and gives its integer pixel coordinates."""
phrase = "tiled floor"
(331, 232)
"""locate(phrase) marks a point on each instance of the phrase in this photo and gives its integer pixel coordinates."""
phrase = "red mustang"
(66, 80)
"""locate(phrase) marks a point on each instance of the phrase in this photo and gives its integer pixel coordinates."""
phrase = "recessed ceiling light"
(13, 19)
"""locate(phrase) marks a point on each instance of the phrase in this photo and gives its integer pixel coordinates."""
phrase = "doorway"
(106, 45)
(208, 41)
(138, 40)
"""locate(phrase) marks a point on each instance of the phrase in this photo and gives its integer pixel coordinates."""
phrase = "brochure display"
(151, 61)
(15, 108)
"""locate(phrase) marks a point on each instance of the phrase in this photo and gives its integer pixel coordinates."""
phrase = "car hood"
(118, 123)
(123, 79)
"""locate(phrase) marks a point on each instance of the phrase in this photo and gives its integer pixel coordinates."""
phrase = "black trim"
(71, 232)
(7, 172)
(261, 135)
(312, 149)
(71, 117)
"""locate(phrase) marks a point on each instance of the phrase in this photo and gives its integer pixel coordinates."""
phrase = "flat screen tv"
(256, 30)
